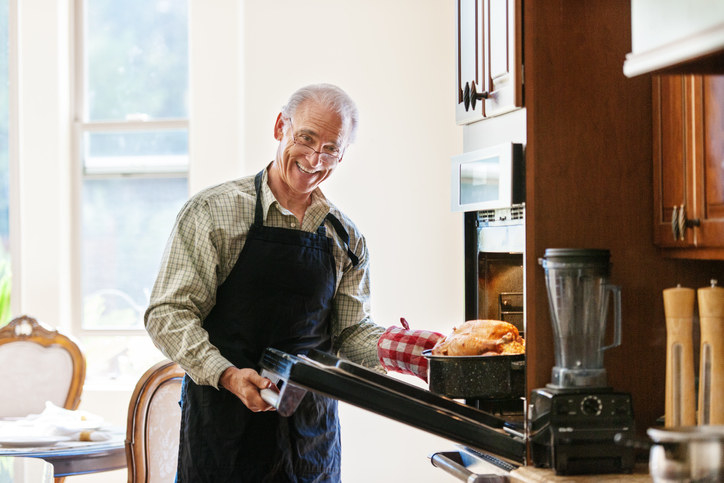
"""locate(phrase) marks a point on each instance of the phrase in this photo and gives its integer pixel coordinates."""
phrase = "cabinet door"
(688, 115)
(671, 158)
(710, 183)
(504, 56)
(470, 61)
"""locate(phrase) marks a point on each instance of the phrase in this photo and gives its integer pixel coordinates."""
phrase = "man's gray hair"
(330, 96)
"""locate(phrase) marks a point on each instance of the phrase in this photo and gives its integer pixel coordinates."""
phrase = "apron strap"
(258, 210)
(342, 233)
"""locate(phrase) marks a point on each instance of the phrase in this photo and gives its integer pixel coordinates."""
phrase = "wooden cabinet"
(675, 37)
(688, 152)
(489, 60)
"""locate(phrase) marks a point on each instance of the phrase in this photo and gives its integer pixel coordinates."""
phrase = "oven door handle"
(456, 469)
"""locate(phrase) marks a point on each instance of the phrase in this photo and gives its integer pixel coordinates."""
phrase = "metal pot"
(480, 377)
(687, 453)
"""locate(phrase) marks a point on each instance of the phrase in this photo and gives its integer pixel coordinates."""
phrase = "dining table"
(73, 442)
(18, 469)
(77, 458)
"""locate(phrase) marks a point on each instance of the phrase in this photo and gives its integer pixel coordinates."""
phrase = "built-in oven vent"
(517, 212)
(486, 216)
(513, 215)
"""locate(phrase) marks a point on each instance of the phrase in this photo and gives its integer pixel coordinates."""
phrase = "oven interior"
(500, 288)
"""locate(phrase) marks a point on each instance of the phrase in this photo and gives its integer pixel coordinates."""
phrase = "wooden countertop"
(530, 474)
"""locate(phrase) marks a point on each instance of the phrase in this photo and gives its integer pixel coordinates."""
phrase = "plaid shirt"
(205, 243)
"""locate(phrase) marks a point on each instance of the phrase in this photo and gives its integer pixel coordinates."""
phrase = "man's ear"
(279, 128)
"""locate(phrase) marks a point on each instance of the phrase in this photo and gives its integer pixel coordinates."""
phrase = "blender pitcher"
(578, 293)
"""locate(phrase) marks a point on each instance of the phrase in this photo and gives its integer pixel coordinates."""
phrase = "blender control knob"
(591, 406)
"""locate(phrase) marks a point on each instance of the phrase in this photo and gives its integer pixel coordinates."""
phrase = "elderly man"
(268, 261)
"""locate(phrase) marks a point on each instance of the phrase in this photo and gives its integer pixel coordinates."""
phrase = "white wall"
(396, 59)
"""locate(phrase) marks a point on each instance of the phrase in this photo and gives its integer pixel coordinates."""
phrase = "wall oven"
(494, 246)
(488, 185)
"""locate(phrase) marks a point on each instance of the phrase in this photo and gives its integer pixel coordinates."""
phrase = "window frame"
(13, 157)
(80, 127)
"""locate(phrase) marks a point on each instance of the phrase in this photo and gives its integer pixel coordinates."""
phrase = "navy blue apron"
(278, 294)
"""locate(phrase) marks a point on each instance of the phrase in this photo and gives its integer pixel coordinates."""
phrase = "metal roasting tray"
(354, 384)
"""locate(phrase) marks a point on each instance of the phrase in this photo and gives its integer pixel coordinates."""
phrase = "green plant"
(5, 289)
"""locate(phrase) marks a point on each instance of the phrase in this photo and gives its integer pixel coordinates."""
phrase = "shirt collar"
(318, 206)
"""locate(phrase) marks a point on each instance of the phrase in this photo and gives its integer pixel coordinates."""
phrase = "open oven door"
(354, 384)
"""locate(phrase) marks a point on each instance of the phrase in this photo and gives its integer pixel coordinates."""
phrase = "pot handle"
(444, 462)
(616, 291)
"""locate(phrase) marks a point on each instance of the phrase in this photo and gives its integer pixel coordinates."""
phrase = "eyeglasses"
(329, 155)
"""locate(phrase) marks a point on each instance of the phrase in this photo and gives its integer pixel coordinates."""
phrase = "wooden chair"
(38, 364)
(154, 421)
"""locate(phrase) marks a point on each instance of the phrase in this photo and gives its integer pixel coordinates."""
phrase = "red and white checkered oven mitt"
(400, 349)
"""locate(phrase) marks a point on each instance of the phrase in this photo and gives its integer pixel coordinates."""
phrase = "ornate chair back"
(38, 364)
(154, 421)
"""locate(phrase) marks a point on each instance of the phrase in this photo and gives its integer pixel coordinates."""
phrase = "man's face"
(320, 129)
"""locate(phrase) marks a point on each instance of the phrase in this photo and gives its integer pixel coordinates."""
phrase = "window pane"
(126, 222)
(123, 358)
(136, 54)
(4, 166)
(136, 152)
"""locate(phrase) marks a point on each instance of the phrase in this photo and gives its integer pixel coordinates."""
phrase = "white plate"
(31, 441)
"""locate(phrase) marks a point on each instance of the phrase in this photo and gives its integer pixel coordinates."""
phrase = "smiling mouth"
(305, 170)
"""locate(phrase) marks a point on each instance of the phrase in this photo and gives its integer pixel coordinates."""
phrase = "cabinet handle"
(675, 223)
(679, 222)
(471, 95)
(475, 95)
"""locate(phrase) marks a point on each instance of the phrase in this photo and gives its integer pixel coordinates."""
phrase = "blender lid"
(577, 255)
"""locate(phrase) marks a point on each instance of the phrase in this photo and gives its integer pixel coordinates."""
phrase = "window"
(131, 144)
(5, 273)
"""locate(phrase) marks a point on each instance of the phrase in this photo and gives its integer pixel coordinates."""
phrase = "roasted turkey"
(481, 337)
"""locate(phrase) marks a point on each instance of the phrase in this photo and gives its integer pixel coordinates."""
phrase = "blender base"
(572, 430)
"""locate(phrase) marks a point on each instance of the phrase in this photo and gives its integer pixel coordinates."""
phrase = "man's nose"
(315, 159)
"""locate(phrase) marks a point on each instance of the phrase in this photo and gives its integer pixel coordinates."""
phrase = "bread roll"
(481, 337)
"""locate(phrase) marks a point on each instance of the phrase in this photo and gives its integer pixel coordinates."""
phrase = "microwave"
(489, 178)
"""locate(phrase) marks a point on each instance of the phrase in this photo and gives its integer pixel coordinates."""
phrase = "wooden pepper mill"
(680, 404)
(711, 362)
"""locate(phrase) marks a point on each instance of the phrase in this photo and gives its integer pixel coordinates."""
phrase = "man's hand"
(246, 384)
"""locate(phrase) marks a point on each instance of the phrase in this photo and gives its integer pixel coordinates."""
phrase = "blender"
(574, 420)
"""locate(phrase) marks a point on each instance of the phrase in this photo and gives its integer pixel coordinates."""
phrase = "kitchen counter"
(530, 474)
